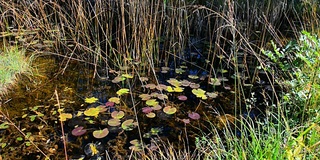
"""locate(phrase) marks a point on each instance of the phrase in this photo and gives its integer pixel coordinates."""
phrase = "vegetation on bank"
(13, 63)
(254, 43)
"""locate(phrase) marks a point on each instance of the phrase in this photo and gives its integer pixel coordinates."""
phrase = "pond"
(109, 113)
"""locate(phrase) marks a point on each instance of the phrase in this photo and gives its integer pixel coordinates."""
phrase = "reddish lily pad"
(156, 107)
(145, 97)
(194, 115)
(78, 131)
(194, 85)
(147, 110)
(100, 133)
(169, 110)
(151, 86)
(109, 104)
(186, 121)
(182, 97)
(185, 83)
(161, 87)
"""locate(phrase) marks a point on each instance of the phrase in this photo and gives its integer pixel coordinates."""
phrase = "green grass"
(13, 62)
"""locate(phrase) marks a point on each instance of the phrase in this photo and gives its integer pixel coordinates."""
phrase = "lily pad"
(199, 93)
(94, 112)
(78, 131)
(122, 91)
(144, 79)
(182, 97)
(194, 115)
(212, 94)
(151, 115)
(147, 110)
(136, 146)
(102, 108)
(178, 89)
(151, 86)
(115, 100)
(117, 115)
(179, 71)
(194, 85)
(91, 100)
(162, 96)
(128, 125)
(100, 133)
(185, 83)
(64, 116)
(114, 122)
(174, 82)
(110, 104)
(152, 102)
(156, 107)
(161, 87)
(169, 110)
(186, 121)
(193, 76)
(145, 97)
(118, 79)
(215, 81)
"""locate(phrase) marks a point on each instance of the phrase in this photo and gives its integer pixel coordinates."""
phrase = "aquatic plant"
(100, 133)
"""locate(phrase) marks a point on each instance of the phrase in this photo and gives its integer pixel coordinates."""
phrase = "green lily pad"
(100, 133)
(91, 100)
(4, 125)
(114, 122)
(169, 110)
(170, 89)
(199, 93)
(122, 91)
(180, 71)
(178, 89)
(128, 125)
(152, 102)
(64, 116)
(115, 100)
(94, 112)
(117, 115)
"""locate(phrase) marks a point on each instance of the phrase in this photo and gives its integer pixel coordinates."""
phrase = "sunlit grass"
(13, 62)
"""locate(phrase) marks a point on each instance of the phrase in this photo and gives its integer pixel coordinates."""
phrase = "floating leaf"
(199, 93)
(151, 115)
(156, 107)
(127, 75)
(100, 133)
(116, 100)
(155, 131)
(161, 87)
(178, 89)
(117, 115)
(179, 70)
(147, 110)
(64, 116)
(91, 149)
(162, 96)
(212, 94)
(91, 100)
(128, 125)
(78, 131)
(152, 102)
(182, 98)
(136, 146)
(145, 97)
(215, 81)
(114, 122)
(185, 83)
(194, 85)
(174, 82)
(94, 112)
(194, 115)
(4, 125)
(111, 104)
(118, 79)
(151, 86)
(102, 108)
(169, 110)
(122, 91)
(144, 79)
(193, 76)
(165, 68)
(170, 89)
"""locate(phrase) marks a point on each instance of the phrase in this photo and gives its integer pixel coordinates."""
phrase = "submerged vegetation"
(161, 79)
